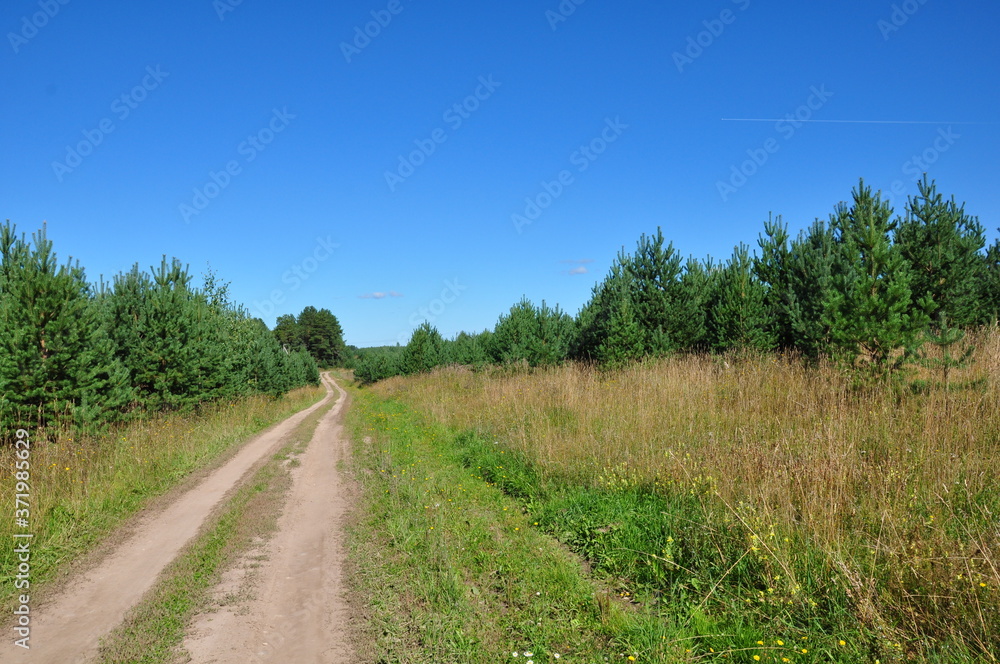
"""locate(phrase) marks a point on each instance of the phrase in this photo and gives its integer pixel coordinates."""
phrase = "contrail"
(934, 122)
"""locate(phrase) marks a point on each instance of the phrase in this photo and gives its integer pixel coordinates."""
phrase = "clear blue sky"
(190, 87)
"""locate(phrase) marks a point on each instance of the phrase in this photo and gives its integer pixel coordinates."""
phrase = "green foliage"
(624, 340)
(871, 312)
(322, 336)
(76, 355)
(56, 362)
(468, 349)
(375, 364)
(738, 316)
(811, 266)
(424, 351)
(942, 245)
(862, 288)
(539, 336)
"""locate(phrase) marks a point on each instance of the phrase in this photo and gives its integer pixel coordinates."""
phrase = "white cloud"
(378, 295)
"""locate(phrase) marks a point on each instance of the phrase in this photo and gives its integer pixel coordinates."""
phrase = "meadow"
(759, 509)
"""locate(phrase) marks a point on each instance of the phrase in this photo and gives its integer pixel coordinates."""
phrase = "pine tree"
(624, 341)
(322, 336)
(810, 267)
(942, 245)
(56, 365)
(653, 274)
(989, 285)
(738, 317)
(772, 269)
(690, 330)
(424, 350)
(871, 313)
(288, 333)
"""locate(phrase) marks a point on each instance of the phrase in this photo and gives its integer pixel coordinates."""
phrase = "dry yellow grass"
(892, 483)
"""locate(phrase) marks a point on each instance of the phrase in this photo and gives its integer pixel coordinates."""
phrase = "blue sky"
(392, 178)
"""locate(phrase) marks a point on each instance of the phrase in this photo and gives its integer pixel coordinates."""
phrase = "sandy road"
(299, 613)
(68, 628)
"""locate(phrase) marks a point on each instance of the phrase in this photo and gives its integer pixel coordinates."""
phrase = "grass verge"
(757, 502)
(154, 629)
(451, 568)
(82, 490)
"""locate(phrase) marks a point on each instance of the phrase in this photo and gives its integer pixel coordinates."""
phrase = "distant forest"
(867, 288)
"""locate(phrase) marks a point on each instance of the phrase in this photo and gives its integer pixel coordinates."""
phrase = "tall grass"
(884, 503)
(82, 488)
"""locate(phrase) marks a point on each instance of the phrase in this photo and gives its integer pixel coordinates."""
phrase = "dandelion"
(842, 642)
(756, 658)
(760, 643)
(780, 642)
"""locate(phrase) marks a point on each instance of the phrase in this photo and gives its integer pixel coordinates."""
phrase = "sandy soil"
(69, 626)
(298, 612)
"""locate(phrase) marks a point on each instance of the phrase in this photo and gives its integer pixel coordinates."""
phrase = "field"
(760, 510)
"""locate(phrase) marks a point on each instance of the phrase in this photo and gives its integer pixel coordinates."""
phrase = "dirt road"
(299, 613)
(68, 628)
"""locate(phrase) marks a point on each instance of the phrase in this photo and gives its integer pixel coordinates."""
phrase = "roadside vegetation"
(78, 357)
(450, 569)
(759, 508)
(83, 488)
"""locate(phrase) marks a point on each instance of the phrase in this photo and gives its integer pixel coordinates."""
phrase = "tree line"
(866, 287)
(81, 356)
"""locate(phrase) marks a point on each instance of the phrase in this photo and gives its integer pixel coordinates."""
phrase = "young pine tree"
(738, 316)
(942, 246)
(874, 321)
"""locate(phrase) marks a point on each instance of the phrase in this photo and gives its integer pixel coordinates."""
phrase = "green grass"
(83, 489)
(672, 572)
(453, 569)
(153, 630)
